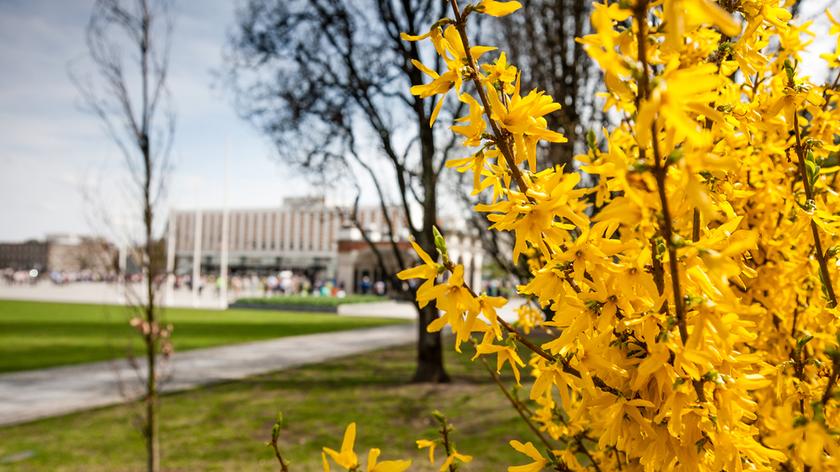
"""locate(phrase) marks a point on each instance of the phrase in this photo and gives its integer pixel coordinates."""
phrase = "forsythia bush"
(696, 322)
(696, 319)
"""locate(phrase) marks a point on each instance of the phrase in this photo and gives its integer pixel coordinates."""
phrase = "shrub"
(695, 321)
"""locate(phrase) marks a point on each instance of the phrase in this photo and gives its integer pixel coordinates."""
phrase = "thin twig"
(660, 173)
(517, 405)
(275, 436)
(567, 368)
(582, 448)
(500, 138)
(444, 432)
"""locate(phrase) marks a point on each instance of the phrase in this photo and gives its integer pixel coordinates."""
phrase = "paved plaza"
(107, 293)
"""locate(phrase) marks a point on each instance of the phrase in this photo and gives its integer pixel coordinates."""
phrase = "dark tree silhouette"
(328, 81)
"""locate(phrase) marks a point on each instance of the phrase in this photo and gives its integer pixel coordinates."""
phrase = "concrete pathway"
(31, 395)
(112, 294)
(406, 311)
(385, 309)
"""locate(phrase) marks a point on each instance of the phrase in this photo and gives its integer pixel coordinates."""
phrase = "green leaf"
(440, 243)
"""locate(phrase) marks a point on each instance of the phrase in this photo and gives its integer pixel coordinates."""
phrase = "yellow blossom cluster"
(695, 320)
(346, 457)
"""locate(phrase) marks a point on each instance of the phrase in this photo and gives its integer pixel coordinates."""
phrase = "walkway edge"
(37, 394)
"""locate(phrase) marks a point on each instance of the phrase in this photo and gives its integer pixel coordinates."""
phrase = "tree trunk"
(151, 433)
(429, 350)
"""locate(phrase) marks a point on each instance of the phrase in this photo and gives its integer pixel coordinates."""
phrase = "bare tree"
(125, 86)
(328, 82)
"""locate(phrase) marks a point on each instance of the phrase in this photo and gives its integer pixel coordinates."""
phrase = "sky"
(53, 153)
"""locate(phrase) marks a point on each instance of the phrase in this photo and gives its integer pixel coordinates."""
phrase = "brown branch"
(660, 173)
(383, 206)
(567, 368)
(517, 405)
(275, 437)
(500, 138)
(444, 433)
(582, 448)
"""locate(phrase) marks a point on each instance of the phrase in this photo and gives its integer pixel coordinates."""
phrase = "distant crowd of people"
(32, 276)
(499, 287)
(284, 282)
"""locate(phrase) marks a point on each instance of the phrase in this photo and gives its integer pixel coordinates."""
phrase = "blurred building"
(306, 235)
(60, 253)
(300, 235)
(358, 263)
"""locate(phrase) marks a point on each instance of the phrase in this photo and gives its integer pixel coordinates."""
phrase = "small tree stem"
(444, 433)
(517, 405)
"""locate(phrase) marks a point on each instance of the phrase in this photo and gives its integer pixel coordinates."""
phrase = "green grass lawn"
(225, 427)
(36, 334)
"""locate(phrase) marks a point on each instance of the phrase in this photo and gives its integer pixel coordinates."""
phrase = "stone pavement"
(31, 395)
(110, 293)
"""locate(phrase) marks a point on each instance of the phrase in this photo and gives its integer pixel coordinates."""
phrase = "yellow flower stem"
(809, 194)
(695, 236)
(695, 226)
(275, 438)
(447, 446)
(567, 368)
(660, 173)
(640, 13)
(821, 259)
(520, 408)
(581, 447)
(560, 466)
(500, 138)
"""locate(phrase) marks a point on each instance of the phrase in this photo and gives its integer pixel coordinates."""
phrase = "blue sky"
(52, 152)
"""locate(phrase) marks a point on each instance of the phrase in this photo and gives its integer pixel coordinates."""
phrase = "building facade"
(359, 265)
(301, 235)
(60, 253)
(306, 235)
(25, 255)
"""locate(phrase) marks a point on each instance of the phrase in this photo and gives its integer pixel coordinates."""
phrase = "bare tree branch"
(131, 101)
(327, 81)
